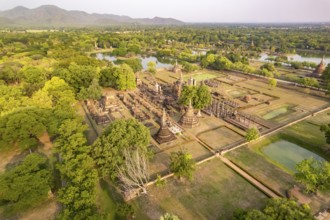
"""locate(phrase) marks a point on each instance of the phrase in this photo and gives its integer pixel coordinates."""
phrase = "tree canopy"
(252, 134)
(199, 95)
(120, 77)
(182, 164)
(279, 209)
(314, 174)
(108, 149)
(27, 184)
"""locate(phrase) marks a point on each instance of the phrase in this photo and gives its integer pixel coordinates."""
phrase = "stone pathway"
(249, 178)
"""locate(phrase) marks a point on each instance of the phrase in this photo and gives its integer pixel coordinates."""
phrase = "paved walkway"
(249, 178)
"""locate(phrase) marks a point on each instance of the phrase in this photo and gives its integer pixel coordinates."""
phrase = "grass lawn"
(215, 193)
(262, 169)
(219, 137)
(200, 77)
(305, 134)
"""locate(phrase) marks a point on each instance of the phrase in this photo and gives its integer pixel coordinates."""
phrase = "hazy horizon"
(207, 11)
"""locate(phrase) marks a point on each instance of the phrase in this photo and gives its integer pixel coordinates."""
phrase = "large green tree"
(203, 98)
(11, 98)
(120, 77)
(134, 63)
(77, 170)
(182, 164)
(188, 94)
(109, 148)
(279, 209)
(252, 134)
(94, 91)
(60, 92)
(314, 174)
(23, 128)
(200, 96)
(25, 185)
(152, 67)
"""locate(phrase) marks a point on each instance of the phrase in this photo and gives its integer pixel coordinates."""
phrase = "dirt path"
(45, 212)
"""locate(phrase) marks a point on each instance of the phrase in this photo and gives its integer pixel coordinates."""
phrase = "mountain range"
(53, 16)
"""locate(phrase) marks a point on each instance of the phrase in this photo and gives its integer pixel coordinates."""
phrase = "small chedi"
(164, 135)
(319, 69)
(189, 119)
(176, 68)
(178, 85)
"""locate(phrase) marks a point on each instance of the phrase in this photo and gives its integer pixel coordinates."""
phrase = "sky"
(196, 10)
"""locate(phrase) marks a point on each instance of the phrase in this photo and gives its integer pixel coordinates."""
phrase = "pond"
(159, 65)
(144, 60)
(299, 58)
(277, 112)
(288, 154)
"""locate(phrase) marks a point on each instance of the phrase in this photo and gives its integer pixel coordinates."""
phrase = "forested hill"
(49, 15)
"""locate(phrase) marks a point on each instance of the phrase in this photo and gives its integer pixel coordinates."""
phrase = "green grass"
(271, 174)
(215, 193)
(107, 199)
(200, 77)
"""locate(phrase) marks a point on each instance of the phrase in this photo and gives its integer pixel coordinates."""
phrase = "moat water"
(144, 60)
(288, 154)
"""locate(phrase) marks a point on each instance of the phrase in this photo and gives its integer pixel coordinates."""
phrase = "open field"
(215, 193)
(274, 174)
(219, 137)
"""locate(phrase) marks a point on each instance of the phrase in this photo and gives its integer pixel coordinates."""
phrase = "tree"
(94, 91)
(314, 174)
(308, 81)
(326, 130)
(134, 173)
(268, 66)
(12, 98)
(120, 77)
(11, 72)
(77, 170)
(279, 209)
(33, 75)
(23, 128)
(222, 63)
(27, 184)
(252, 134)
(125, 78)
(169, 216)
(108, 149)
(80, 76)
(188, 67)
(134, 63)
(61, 93)
(202, 99)
(152, 67)
(182, 164)
(188, 93)
(272, 82)
(107, 77)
